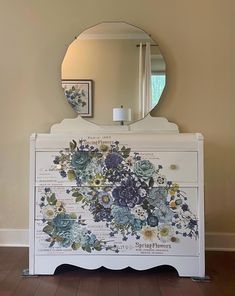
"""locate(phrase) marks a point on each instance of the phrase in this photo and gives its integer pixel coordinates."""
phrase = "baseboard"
(215, 241)
(220, 241)
(14, 237)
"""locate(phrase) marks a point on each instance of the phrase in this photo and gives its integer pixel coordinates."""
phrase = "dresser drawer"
(179, 167)
(159, 226)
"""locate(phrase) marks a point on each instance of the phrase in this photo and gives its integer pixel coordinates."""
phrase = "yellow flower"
(173, 205)
(174, 188)
(60, 210)
(104, 148)
(98, 180)
(149, 233)
(58, 203)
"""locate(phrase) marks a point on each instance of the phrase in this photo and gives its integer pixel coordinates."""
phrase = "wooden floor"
(71, 281)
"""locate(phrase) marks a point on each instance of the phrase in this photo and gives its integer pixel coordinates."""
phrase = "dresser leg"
(203, 279)
(25, 272)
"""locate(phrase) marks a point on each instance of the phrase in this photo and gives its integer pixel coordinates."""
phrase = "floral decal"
(123, 190)
(76, 97)
(66, 229)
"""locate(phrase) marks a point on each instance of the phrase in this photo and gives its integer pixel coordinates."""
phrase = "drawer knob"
(173, 166)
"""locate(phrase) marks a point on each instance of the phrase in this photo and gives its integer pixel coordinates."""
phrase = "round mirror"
(113, 65)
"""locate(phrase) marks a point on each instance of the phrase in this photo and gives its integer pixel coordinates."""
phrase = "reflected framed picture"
(79, 94)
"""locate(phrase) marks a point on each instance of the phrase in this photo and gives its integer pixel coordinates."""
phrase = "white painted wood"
(149, 141)
(182, 154)
(149, 124)
(185, 266)
(201, 206)
(157, 124)
(32, 171)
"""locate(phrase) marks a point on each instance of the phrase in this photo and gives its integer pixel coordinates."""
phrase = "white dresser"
(117, 198)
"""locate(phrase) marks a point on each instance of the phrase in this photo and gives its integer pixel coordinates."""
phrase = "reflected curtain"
(145, 88)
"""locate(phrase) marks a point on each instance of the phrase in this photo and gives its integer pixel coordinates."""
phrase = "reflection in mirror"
(124, 65)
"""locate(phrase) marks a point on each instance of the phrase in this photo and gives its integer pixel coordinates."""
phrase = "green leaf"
(79, 198)
(59, 238)
(76, 246)
(76, 193)
(52, 199)
(88, 249)
(51, 244)
(151, 182)
(72, 145)
(127, 151)
(73, 215)
(145, 205)
(71, 175)
(48, 229)
(97, 246)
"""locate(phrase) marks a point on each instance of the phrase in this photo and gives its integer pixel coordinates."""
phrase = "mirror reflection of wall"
(108, 54)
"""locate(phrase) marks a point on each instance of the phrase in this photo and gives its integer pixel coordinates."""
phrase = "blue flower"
(144, 169)
(65, 238)
(185, 207)
(56, 160)
(129, 193)
(192, 223)
(163, 214)
(103, 215)
(105, 199)
(80, 160)
(157, 196)
(152, 221)
(63, 174)
(63, 221)
(122, 215)
(138, 224)
(112, 160)
(85, 238)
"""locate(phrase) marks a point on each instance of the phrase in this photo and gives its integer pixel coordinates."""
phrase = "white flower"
(139, 213)
(48, 212)
(149, 233)
(160, 179)
(165, 232)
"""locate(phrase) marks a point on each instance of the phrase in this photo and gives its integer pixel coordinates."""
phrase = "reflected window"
(158, 81)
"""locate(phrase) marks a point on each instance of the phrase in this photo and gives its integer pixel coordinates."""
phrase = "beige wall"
(197, 40)
(113, 67)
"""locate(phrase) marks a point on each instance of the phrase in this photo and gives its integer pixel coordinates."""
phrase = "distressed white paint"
(149, 135)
